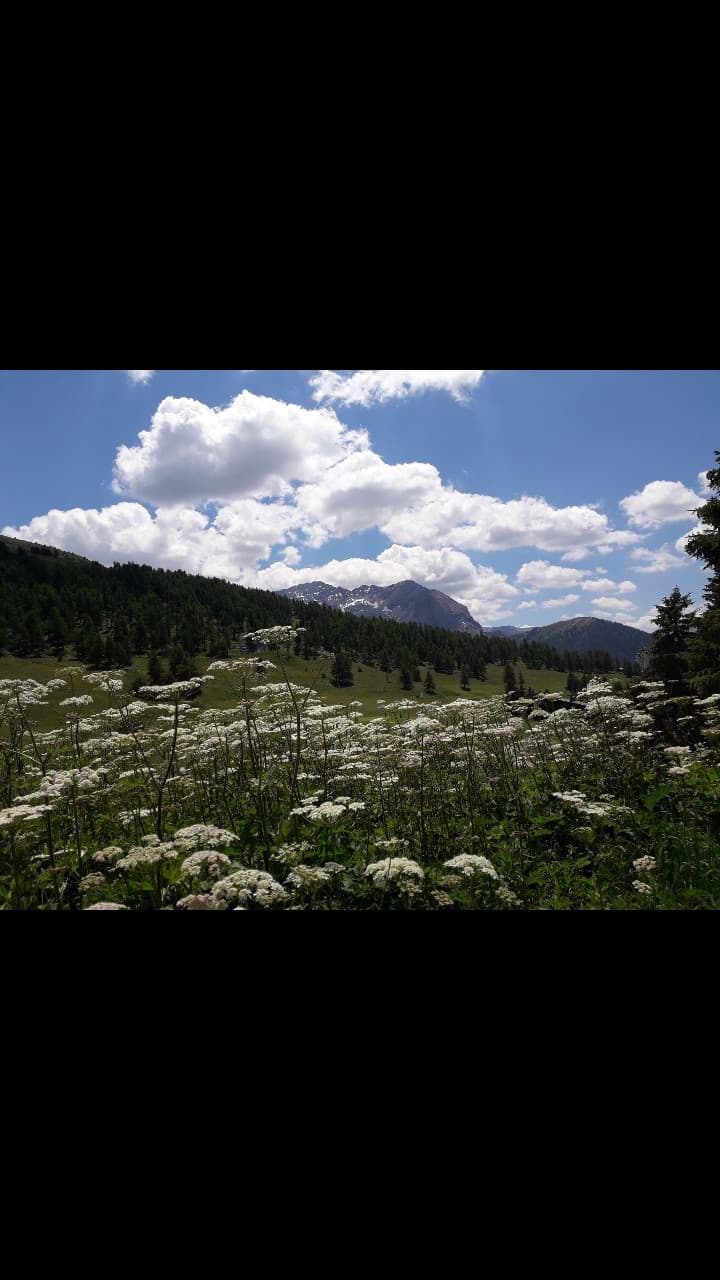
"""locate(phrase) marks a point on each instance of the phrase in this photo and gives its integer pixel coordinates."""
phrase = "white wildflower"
(139, 856)
(22, 813)
(92, 881)
(645, 863)
(205, 862)
(471, 864)
(198, 835)
(109, 854)
(399, 873)
(303, 877)
(248, 887)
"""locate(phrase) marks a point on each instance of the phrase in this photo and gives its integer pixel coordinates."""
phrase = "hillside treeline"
(68, 606)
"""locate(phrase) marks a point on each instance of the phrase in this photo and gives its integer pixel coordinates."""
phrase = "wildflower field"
(274, 798)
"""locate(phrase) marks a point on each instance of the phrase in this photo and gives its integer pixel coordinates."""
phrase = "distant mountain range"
(579, 635)
(409, 602)
(402, 602)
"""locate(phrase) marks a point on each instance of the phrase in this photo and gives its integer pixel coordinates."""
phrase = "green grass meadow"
(370, 683)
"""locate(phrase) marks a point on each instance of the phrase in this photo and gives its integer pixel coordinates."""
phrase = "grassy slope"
(370, 684)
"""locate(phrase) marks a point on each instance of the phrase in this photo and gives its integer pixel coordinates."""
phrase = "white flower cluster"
(126, 816)
(22, 813)
(197, 835)
(506, 895)
(58, 783)
(290, 854)
(398, 873)
(471, 864)
(110, 680)
(107, 906)
(93, 881)
(82, 700)
(302, 877)
(645, 863)
(246, 886)
(206, 863)
(109, 854)
(173, 692)
(148, 855)
(271, 637)
(242, 664)
(641, 887)
(592, 808)
(197, 902)
(27, 692)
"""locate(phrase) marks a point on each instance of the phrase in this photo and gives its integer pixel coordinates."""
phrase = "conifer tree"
(705, 545)
(341, 670)
(668, 659)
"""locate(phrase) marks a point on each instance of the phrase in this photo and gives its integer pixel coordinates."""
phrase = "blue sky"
(528, 495)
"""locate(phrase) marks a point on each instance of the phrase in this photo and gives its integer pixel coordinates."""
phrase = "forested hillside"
(64, 605)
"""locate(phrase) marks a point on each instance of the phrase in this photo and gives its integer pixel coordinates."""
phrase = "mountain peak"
(405, 601)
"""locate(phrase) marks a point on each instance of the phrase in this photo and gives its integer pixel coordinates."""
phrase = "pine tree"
(464, 678)
(58, 634)
(341, 670)
(181, 664)
(95, 650)
(668, 659)
(477, 669)
(705, 545)
(509, 678)
(429, 682)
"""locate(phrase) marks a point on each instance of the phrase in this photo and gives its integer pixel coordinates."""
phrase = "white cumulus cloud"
(659, 502)
(368, 386)
(645, 623)
(681, 544)
(141, 376)
(607, 584)
(647, 561)
(617, 605)
(560, 602)
(363, 491)
(540, 575)
(253, 447)
(173, 538)
(479, 522)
